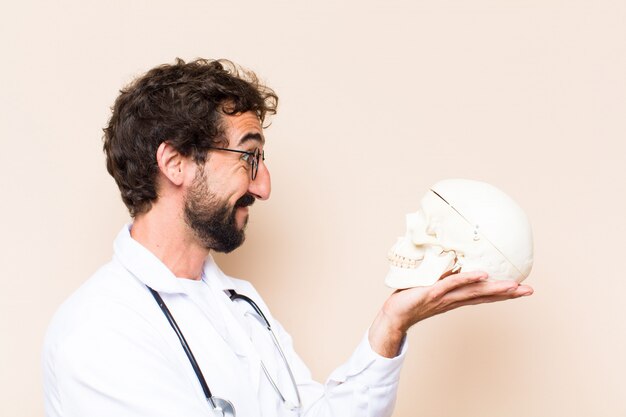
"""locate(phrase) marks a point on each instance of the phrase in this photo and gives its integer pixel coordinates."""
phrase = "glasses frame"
(252, 160)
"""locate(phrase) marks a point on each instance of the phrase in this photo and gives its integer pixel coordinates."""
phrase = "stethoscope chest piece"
(222, 407)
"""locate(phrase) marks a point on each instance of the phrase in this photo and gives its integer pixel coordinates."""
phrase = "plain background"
(378, 101)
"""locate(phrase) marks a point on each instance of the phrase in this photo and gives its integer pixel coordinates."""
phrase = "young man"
(160, 330)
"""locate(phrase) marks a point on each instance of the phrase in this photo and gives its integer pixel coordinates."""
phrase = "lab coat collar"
(143, 264)
(220, 280)
(149, 269)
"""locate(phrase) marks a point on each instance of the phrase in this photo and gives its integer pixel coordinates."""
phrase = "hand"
(404, 308)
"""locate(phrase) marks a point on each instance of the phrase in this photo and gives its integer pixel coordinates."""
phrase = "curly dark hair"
(182, 104)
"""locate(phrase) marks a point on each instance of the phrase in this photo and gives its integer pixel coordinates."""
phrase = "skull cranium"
(462, 225)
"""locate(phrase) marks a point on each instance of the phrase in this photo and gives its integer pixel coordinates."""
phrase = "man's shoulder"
(110, 283)
(108, 299)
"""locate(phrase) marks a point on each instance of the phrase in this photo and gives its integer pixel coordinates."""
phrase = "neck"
(171, 241)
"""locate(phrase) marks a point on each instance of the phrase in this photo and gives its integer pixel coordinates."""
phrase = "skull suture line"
(462, 225)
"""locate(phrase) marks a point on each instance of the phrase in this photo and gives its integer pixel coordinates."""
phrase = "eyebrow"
(251, 136)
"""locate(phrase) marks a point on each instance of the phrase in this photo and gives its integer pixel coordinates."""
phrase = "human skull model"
(462, 225)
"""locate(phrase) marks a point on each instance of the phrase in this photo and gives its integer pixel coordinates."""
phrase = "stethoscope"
(221, 406)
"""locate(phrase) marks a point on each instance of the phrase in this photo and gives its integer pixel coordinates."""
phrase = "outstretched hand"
(404, 308)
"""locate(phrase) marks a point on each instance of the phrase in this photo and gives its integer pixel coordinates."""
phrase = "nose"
(261, 186)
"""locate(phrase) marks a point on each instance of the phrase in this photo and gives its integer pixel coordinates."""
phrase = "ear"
(171, 163)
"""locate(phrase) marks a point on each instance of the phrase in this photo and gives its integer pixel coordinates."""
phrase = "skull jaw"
(432, 267)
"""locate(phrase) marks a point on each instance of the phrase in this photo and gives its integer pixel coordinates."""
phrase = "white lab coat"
(110, 351)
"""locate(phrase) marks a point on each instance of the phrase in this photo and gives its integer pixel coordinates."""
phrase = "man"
(160, 330)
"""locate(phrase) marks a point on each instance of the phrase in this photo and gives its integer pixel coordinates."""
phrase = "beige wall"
(378, 101)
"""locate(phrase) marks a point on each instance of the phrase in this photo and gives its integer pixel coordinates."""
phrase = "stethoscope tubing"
(236, 296)
(185, 345)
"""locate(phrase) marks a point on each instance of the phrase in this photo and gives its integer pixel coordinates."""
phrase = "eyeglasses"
(250, 157)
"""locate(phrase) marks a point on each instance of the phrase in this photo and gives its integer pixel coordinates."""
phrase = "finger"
(487, 290)
(518, 293)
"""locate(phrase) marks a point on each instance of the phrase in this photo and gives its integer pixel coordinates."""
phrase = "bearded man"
(160, 330)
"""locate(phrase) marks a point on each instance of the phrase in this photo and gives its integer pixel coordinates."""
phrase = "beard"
(213, 222)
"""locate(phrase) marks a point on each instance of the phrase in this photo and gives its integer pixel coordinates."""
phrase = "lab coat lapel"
(241, 340)
(234, 321)
(210, 309)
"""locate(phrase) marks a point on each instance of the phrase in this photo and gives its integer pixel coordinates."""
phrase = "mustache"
(245, 201)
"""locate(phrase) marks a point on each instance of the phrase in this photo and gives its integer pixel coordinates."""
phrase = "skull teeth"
(402, 261)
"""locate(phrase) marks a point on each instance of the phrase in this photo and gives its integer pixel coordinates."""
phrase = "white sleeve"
(365, 386)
